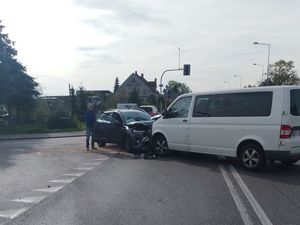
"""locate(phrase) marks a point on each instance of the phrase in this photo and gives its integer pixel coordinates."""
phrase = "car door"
(175, 124)
(103, 129)
(117, 130)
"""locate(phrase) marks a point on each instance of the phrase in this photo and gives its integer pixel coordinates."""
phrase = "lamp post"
(262, 71)
(240, 79)
(269, 46)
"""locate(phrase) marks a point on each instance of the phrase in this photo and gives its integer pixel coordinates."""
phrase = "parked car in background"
(127, 106)
(126, 127)
(150, 109)
(252, 124)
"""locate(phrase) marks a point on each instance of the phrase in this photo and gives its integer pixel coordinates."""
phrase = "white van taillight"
(285, 131)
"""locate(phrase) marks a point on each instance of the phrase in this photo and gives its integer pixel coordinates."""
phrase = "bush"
(62, 122)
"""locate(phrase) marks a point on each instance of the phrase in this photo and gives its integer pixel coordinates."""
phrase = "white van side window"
(248, 104)
(180, 109)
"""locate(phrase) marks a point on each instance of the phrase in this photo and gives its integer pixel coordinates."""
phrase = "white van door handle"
(184, 120)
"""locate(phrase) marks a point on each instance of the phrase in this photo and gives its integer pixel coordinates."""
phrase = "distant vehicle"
(150, 109)
(252, 124)
(126, 127)
(127, 106)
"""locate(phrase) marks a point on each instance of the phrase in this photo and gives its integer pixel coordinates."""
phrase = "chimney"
(135, 73)
(155, 80)
(142, 75)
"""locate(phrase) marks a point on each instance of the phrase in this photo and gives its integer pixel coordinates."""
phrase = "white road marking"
(35, 199)
(239, 204)
(13, 213)
(257, 208)
(101, 159)
(73, 174)
(84, 168)
(91, 164)
(50, 189)
(65, 181)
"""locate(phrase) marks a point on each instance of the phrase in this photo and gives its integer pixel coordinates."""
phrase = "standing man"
(90, 118)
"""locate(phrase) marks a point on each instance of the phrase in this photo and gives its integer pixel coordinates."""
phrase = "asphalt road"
(55, 181)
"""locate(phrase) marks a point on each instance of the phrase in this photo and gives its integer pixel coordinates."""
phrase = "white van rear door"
(291, 118)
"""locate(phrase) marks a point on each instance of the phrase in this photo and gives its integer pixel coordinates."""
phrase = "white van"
(252, 124)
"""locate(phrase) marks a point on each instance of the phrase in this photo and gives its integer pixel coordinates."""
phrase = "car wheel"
(160, 146)
(290, 162)
(252, 157)
(101, 144)
(128, 144)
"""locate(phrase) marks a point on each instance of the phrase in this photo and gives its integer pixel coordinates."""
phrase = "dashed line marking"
(73, 174)
(91, 164)
(13, 213)
(50, 189)
(84, 168)
(101, 159)
(65, 181)
(35, 199)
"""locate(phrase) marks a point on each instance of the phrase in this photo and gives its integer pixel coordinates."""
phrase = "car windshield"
(132, 116)
(146, 108)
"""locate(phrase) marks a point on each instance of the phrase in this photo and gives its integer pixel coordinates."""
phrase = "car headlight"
(139, 132)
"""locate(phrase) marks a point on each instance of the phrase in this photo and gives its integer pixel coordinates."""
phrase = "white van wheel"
(160, 145)
(252, 157)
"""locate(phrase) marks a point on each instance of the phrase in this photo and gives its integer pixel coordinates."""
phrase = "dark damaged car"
(128, 128)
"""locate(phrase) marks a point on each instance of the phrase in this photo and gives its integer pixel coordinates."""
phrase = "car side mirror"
(165, 113)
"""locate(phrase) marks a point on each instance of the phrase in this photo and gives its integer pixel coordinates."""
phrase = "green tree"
(17, 89)
(282, 73)
(173, 89)
(82, 100)
(117, 85)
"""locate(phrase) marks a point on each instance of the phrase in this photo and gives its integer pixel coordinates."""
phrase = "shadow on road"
(289, 174)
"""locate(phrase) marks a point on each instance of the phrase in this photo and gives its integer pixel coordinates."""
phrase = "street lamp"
(262, 72)
(240, 79)
(269, 46)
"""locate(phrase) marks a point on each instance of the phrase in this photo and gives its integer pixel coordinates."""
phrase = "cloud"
(90, 48)
(124, 11)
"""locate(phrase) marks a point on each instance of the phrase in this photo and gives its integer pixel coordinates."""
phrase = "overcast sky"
(91, 42)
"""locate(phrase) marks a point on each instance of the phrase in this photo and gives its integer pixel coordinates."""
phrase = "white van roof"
(251, 89)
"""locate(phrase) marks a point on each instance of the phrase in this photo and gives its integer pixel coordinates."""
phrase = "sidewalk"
(41, 136)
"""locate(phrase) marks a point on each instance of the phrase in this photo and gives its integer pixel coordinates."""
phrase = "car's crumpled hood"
(141, 125)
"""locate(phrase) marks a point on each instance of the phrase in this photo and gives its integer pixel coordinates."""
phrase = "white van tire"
(251, 157)
(160, 145)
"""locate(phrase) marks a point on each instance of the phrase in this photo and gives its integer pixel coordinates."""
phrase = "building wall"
(134, 82)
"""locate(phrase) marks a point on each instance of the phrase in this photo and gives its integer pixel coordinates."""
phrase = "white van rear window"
(295, 102)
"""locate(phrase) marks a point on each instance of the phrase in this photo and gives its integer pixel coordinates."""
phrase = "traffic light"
(186, 69)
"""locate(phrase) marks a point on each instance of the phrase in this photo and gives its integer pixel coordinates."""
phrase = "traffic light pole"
(161, 85)
(186, 72)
